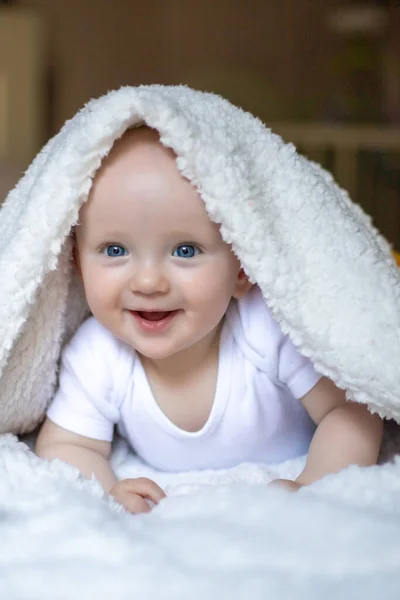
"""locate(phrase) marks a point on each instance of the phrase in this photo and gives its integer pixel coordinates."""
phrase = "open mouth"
(154, 320)
(154, 315)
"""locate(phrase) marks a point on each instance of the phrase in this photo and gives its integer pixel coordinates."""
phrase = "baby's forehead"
(137, 146)
(140, 171)
(142, 134)
(138, 160)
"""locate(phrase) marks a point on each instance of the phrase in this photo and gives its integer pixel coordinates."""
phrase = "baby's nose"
(149, 280)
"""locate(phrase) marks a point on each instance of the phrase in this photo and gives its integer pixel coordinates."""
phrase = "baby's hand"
(132, 494)
(286, 484)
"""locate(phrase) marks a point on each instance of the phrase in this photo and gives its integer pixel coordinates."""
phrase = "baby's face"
(155, 269)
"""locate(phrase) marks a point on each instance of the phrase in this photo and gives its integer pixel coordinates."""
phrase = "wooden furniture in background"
(364, 159)
(21, 85)
(99, 45)
(344, 141)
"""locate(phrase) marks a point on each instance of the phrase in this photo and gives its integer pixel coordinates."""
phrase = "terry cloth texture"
(326, 274)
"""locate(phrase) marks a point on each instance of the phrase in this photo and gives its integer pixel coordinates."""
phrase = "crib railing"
(364, 159)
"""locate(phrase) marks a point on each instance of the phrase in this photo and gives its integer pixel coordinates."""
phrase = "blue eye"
(114, 250)
(186, 251)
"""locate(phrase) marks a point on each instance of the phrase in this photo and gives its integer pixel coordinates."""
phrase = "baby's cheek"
(99, 290)
(213, 297)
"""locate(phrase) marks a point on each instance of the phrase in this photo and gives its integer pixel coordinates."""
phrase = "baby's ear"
(242, 284)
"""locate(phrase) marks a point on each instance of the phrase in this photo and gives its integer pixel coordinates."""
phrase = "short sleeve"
(294, 370)
(85, 400)
(265, 345)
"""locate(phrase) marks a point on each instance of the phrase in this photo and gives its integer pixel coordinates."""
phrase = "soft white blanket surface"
(220, 534)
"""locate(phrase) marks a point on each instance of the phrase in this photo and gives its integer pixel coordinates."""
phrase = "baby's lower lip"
(153, 324)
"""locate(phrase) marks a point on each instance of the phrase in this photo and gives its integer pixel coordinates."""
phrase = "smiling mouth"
(154, 321)
(154, 315)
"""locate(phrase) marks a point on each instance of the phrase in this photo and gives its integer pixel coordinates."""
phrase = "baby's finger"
(134, 504)
(287, 484)
(147, 489)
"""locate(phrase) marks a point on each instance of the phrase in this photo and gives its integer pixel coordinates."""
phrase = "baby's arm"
(91, 458)
(88, 455)
(347, 432)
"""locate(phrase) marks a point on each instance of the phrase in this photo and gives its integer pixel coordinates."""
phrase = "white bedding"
(218, 535)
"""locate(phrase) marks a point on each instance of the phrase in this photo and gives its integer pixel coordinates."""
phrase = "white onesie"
(256, 415)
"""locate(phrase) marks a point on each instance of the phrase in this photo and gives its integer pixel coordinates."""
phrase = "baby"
(182, 353)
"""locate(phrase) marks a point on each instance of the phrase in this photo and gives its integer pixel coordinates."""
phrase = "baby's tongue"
(154, 315)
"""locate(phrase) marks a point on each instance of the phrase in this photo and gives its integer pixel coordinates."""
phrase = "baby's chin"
(177, 354)
(159, 354)
(157, 349)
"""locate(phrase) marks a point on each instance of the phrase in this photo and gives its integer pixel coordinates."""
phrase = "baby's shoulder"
(256, 318)
(92, 332)
(92, 341)
(254, 328)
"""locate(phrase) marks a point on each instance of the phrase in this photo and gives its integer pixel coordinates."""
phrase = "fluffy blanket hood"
(325, 272)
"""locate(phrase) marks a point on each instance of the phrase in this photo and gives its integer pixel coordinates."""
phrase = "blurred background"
(325, 74)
